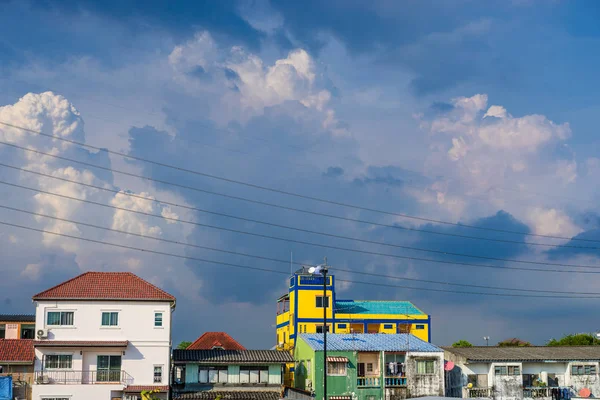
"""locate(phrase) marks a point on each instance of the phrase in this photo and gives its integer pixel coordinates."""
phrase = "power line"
(285, 261)
(286, 207)
(324, 245)
(279, 191)
(279, 272)
(264, 222)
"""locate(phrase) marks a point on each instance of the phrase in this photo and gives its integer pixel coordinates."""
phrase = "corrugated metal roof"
(369, 342)
(17, 317)
(376, 307)
(530, 353)
(232, 356)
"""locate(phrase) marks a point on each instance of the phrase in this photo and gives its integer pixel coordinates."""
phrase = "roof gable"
(18, 351)
(105, 286)
(210, 340)
(369, 342)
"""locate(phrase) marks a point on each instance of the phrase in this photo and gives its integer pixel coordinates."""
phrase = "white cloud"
(135, 223)
(552, 222)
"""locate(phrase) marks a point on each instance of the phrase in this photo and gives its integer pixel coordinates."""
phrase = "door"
(109, 369)
(361, 370)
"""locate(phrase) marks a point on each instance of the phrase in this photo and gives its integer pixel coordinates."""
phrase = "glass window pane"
(254, 376)
(203, 376)
(158, 319)
(264, 376)
(102, 362)
(244, 376)
(213, 376)
(223, 376)
(105, 319)
(53, 318)
(115, 362)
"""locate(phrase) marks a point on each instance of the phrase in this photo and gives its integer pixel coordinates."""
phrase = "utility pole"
(325, 304)
(487, 340)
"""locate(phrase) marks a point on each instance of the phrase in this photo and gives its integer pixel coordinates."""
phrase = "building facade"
(369, 366)
(301, 311)
(16, 360)
(17, 326)
(229, 374)
(102, 335)
(515, 373)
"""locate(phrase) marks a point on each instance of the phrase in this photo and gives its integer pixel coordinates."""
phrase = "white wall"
(76, 392)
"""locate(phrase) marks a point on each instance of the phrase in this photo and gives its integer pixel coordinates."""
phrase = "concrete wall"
(419, 385)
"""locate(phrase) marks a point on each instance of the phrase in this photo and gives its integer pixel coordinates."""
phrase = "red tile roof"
(80, 343)
(138, 388)
(16, 351)
(105, 286)
(209, 340)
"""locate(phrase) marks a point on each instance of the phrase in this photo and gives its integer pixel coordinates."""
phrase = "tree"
(184, 345)
(462, 343)
(577, 339)
(514, 342)
(149, 394)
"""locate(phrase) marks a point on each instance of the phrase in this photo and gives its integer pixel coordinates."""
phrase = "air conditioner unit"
(42, 333)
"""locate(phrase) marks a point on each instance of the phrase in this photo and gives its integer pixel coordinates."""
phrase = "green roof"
(376, 307)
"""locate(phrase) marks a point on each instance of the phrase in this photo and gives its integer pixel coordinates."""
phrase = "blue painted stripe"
(286, 323)
(363, 321)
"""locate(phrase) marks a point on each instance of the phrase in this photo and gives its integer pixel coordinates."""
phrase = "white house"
(517, 373)
(102, 336)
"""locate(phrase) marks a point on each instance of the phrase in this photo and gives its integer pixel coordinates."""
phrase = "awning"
(337, 359)
(139, 388)
(339, 397)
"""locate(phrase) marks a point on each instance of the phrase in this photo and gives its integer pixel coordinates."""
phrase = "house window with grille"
(425, 367)
(583, 370)
(507, 370)
(336, 368)
(58, 361)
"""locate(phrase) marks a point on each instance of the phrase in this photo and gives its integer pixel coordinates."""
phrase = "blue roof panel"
(376, 307)
(369, 342)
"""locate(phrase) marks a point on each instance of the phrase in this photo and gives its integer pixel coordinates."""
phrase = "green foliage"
(149, 394)
(183, 345)
(579, 339)
(462, 343)
(514, 342)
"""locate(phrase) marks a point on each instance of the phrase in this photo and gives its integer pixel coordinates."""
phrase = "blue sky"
(481, 113)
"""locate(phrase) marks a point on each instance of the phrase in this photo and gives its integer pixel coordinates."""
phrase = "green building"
(369, 366)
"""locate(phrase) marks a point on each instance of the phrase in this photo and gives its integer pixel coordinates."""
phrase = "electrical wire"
(273, 190)
(286, 261)
(320, 244)
(280, 206)
(281, 272)
(269, 223)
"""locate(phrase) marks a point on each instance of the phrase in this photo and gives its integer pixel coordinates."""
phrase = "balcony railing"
(537, 392)
(70, 377)
(394, 381)
(480, 392)
(368, 382)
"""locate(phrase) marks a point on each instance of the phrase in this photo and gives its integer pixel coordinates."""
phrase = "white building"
(102, 336)
(516, 373)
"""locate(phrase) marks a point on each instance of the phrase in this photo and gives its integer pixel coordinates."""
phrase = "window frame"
(154, 376)
(320, 297)
(110, 324)
(58, 362)
(338, 363)
(60, 317)
(586, 370)
(427, 363)
(507, 370)
(217, 370)
(420, 327)
(161, 313)
(371, 366)
(321, 327)
(261, 371)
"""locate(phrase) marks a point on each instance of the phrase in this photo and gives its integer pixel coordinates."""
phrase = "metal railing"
(537, 392)
(480, 392)
(368, 382)
(70, 377)
(395, 381)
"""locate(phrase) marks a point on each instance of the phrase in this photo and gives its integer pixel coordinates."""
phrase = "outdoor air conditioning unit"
(42, 333)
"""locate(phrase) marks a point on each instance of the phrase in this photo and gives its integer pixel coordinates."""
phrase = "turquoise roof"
(376, 307)
(368, 342)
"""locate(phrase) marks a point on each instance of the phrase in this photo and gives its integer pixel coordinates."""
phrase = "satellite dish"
(448, 365)
(585, 393)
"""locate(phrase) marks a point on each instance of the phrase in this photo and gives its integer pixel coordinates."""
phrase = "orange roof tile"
(105, 286)
(16, 351)
(209, 340)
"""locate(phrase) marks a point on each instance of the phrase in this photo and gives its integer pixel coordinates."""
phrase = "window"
(60, 318)
(583, 370)
(336, 368)
(212, 375)
(252, 374)
(369, 367)
(507, 370)
(53, 361)
(109, 369)
(158, 320)
(388, 326)
(425, 367)
(341, 326)
(308, 366)
(421, 327)
(2, 331)
(27, 331)
(320, 328)
(110, 318)
(529, 379)
(158, 374)
(320, 302)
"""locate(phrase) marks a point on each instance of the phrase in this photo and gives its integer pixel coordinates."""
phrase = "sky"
(482, 115)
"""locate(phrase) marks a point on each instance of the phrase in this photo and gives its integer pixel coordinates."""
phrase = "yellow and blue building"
(300, 311)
